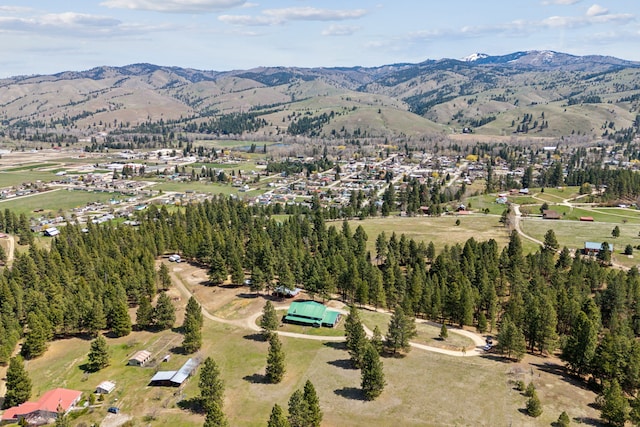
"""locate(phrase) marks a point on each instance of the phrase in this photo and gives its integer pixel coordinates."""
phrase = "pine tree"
(297, 409)
(98, 354)
(444, 334)
(35, 341)
(120, 320)
(401, 329)
(275, 360)
(144, 314)
(313, 416)
(269, 321)
(215, 417)
(372, 374)
(277, 418)
(511, 340)
(534, 407)
(376, 340)
(356, 338)
(615, 407)
(563, 420)
(164, 279)
(192, 326)
(192, 340)
(96, 320)
(210, 384)
(18, 384)
(193, 311)
(165, 312)
(218, 269)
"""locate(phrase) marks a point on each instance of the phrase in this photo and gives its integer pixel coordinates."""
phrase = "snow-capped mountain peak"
(474, 57)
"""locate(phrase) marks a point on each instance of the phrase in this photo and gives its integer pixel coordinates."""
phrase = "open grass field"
(54, 200)
(486, 201)
(427, 333)
(423, 389)
(440, 230)
(31, 167)
(573, 234)
(11, 179)
(199, 187)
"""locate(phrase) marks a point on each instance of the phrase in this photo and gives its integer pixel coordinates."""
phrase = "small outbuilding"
(140, 358)
(550, 214)
(51, 231)
(105, 387)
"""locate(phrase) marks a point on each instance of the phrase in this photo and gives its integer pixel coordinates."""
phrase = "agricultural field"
(439, 230)
(54, 201)
(573, 234)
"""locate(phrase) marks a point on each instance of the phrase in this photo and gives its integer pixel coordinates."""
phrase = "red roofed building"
(45, 409)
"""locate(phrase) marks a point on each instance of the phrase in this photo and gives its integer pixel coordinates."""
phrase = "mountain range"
(533, 94)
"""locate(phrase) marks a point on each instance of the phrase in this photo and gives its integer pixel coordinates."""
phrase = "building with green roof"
(311, 313)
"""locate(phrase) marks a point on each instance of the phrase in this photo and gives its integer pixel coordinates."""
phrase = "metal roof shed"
(105, 387)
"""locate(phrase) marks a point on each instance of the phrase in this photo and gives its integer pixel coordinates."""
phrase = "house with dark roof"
(46, 409)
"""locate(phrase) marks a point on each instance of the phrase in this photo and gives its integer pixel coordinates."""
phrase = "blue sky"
(41, 37)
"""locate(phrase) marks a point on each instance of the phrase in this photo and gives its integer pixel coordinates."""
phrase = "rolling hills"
(532, 94)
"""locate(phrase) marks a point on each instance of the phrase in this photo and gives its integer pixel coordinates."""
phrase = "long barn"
(311, 313)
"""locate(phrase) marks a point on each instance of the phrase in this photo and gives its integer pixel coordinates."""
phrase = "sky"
(50, 36)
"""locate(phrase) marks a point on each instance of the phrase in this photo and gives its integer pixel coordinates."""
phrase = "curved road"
(250, 323)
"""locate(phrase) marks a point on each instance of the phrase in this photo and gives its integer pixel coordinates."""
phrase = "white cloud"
(246, 20)
(339, 30)
(249, 5)
(597, 10)
(281, 16)
(174, 6)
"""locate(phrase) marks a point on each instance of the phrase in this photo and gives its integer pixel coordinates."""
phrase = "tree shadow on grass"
(87, 368)
(588, 421)
(193, 404)
(177, 350)
(350, 393)
(342, 363)
(248, 296)
(560, 371)
(256, 379)
(258, 337)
